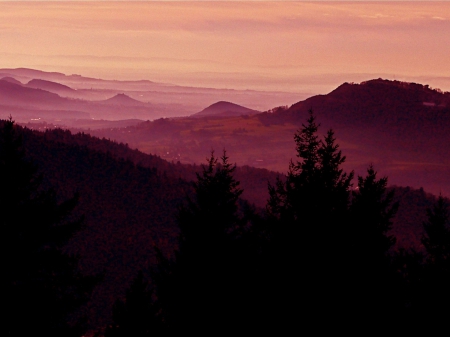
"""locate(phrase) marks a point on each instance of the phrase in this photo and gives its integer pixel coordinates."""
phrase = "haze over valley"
(401, 128)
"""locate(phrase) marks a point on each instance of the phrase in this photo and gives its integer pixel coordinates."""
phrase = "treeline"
(319, 252)
(318, 255)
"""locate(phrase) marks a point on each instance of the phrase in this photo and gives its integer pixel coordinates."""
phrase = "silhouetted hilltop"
(225, 109)
(15, 94)
(122, 99)
(382, 102)
(11, 80)
(399, 114)
(49, 86)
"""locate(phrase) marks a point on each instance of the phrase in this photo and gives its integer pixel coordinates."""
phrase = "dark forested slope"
(129, 201)
(128, 209)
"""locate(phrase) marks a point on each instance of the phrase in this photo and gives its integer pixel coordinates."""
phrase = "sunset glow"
(179, 167)
(291, 46)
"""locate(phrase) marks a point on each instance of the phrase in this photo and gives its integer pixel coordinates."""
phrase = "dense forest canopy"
(177, 246)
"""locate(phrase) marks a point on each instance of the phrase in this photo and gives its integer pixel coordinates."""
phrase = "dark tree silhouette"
(200, 287)
(42, 285)
(374, 288)
(316, 186)
(135, 316)
(437, 233)
(373, 210)
(436, 290)
(308, 214)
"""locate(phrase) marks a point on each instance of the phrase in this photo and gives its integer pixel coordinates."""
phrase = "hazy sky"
(294, 46)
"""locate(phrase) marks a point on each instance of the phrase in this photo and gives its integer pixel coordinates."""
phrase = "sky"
(280, 45)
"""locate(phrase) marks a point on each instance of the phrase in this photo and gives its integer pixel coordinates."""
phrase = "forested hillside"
(130, 202)
(127, 198)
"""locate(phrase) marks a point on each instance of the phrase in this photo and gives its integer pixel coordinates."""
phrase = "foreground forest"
(107, 239)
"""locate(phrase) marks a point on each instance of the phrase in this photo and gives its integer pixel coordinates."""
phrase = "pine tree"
(373, 210)
(316, 186)
(308, 214)
(373, 287)
(42, 285)
(197, 289)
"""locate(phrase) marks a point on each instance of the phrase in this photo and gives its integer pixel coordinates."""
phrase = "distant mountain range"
(15, 94)
(45, 100)
(400, 127)
(168, 100)
(82, 103)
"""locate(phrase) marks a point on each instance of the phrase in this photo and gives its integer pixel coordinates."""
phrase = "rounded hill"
(122, 99)
(11, 80)
(225, 109)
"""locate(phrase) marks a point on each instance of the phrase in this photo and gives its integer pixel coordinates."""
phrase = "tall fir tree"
(308, 214)
(199, 289)
(316, 186)
(374, 288)
(373, 210)
(43, 287)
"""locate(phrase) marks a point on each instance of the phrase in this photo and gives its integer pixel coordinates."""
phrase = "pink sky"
(290, 46)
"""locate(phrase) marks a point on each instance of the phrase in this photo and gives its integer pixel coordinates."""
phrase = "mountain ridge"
(12, 93)
(51, 86)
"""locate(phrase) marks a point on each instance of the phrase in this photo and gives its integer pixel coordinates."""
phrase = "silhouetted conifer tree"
(316, 186)
(373, 284)
(373, 210)
(200, 288)
(42, 285)
(308, 214)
